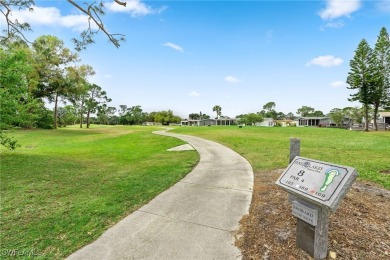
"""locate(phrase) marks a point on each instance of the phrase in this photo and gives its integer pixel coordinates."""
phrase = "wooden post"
(295, 148)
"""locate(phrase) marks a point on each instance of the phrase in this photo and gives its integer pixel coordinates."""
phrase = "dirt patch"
(360, 228)
(385, 171)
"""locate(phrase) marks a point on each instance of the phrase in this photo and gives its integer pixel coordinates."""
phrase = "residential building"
(315, 121)
(209, 122)
(384, 117)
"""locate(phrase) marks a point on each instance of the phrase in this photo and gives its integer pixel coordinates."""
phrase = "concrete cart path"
(194, 219)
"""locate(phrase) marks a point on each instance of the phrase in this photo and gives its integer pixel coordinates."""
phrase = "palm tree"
(218, 110)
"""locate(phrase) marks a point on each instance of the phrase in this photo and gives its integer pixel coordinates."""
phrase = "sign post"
(316, 188)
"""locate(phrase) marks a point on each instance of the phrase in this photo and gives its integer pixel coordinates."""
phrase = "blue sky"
(191, 55)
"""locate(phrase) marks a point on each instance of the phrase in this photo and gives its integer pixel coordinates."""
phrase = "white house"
(315, 121)
(266, 122)
(209, 122)
(384, 117)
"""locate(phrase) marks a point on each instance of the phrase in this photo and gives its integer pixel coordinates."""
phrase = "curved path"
(194, 219)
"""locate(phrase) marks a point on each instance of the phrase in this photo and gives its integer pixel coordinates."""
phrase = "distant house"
(383, 123)
(384, 117)
(197, 122)
(273, 122)
(285, 122)
(209, 122)
(266, 122)
(315, 121)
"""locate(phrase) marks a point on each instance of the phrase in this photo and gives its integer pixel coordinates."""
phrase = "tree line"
(370, 76)
(47, 71)
(268, 111)
(340, 116)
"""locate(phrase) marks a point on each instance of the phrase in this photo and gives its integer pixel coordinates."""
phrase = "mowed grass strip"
(267, 148)
(63, 188)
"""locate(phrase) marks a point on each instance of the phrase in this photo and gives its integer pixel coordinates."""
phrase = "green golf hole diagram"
(330, 175)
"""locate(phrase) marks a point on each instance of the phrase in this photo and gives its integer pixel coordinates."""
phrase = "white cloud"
(174, 46)
(194, 94)
(133, 7)
(51, 16)
(325, 61)
(76, 22)
(339, 8)
(337, 84)
(231, 79)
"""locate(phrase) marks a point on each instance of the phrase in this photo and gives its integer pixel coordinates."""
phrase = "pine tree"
(362, 76)
(381, 87)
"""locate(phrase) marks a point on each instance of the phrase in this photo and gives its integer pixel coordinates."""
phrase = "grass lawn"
(64, 187)
(267, 148)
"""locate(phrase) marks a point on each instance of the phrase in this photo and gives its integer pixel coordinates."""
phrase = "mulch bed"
(359, 229)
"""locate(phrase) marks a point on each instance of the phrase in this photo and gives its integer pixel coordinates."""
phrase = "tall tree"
(205, 116)
(269, 111)
(152, 117)
(218, 110)
(105, 113)
(280, 116)
(194, 116)
(381, 81)
(95, 98)
(78, 79)
(166, 117)
(305, 111)
(250, 119)
(337, 115)
(135, 115)
(354, 114)
(52, 58)
(269, 106)
(67, 115)
(361, 77)
(122, 112)
(317, 113)
(290, 115)
(17, 84)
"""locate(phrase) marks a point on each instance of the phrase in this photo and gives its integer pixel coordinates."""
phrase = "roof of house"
(314, 117)
(384, 114)
(212, 119)
(283, 120)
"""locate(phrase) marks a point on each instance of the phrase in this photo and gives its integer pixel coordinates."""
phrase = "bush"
(45, 121)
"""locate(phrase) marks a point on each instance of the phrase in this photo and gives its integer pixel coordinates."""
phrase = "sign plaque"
(315, 188)
(320, 183)
(305, 213)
